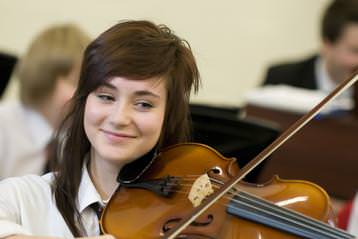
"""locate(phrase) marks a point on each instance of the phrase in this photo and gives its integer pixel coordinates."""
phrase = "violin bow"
(287, 134)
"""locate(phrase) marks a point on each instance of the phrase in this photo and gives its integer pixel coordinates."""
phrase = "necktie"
(98, 210)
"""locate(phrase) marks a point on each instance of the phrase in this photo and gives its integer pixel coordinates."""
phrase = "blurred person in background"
(338, 56)
(336, 61)
(48, 74)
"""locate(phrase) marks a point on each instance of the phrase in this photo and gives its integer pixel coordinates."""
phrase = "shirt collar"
(87, 193)
(325, 82)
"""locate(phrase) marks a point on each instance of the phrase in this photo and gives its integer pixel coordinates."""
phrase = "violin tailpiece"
(164, 187)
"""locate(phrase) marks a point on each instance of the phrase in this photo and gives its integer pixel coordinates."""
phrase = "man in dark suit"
(337, 59)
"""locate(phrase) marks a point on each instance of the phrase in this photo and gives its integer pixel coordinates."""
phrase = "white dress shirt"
(24, 135)
(325, 84)
(28, 207)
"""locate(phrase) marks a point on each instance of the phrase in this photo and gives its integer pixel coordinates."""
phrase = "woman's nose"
(121, 114)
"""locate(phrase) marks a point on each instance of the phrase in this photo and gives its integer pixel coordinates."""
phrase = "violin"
(137, 212)
(191, 191)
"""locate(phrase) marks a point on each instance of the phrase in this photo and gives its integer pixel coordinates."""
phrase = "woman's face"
(123, 118)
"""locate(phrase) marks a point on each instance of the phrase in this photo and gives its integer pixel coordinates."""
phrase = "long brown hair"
(137, 50)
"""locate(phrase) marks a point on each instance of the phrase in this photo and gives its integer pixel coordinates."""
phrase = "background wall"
(234, 40)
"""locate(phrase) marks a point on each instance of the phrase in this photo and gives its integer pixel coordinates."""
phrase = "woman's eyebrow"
(109, 85)
(136, 93)
(145, 93)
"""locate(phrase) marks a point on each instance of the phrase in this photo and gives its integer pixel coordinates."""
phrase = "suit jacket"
(299, 74)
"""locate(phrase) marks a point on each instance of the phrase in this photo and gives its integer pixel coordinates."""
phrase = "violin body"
(136, 213)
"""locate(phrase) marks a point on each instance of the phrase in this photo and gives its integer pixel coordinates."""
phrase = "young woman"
(131, 101)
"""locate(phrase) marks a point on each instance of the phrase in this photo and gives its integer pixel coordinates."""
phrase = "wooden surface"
(324, 152)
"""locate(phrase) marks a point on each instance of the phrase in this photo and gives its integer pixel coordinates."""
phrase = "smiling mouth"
(117, 136)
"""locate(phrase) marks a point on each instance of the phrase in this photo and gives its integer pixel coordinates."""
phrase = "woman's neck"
(104, 176)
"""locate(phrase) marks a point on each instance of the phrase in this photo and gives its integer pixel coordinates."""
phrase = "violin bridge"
(200, 189)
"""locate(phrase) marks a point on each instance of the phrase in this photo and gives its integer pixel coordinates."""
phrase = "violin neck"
(248, 207)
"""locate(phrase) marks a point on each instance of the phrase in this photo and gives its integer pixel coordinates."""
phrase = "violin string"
(298, 218)
(186, 193)
(267, 207)
(192, 178)
(272, 215)
(187, 187)
(292, 214)
(287, 215)
(268, 210)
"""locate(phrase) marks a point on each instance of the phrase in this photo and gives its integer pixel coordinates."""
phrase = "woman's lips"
(117, 136)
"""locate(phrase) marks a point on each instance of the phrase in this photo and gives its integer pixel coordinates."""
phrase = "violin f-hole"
(171, 223)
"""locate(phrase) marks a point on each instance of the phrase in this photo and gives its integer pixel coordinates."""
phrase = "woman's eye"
(105, 97)
(144, 105)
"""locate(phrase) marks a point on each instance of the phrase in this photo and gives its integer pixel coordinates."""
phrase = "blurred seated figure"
(7, 63)
(326, 146)
(48, 74)
(337, 59)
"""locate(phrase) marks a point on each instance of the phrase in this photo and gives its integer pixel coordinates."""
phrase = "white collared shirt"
(24, 135)
(27, 207)
(325, 82)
